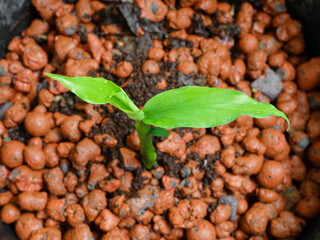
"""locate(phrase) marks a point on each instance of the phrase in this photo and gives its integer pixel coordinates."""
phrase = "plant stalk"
(147, 149)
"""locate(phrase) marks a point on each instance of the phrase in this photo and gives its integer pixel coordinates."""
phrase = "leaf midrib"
(192, 106)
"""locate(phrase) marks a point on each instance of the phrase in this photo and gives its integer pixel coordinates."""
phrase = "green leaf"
(203, 107)
(160, 132)
(99, 91)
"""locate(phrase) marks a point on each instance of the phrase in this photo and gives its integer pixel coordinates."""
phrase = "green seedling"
(192, 106)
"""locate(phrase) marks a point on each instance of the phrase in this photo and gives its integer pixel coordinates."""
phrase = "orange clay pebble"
(256, 62)
(271, 174)
(308, 207)
(156, 53)
(139, 231)
(26, 179)
(237, 72)
(224, 13)
(181, 34)
(54, 181)
(6, 93)
(187, 67)
(150, 67)
(74, 214)
(32, 201)
(9, 213)
(81, 231)
(309, 188)
(67, 24)
(107, 220)
(249, 164)
(12, 153)
(254, 145)
(36, 28)
(26, 224)
(255, 220)
(45, 97)
(116, 233)
(55, 209)
(162, 84)
(201, 230)
(187, 212)
(286, 71)
(228, 156)
(33, 56)
(269, 44)
(261, 21)
(208, 144)
(70, 128)
(84, 10)
(209, 6)
(93, 203)
(81, 67)
(179, 19)
(15, 115)
(313, 127)
(308, 74)
(84, 151)
(221, 214)
(314, 154)
(287, 225)
(244, 17)
(266, 195)
(4, 172)
(35, 142)
(242, 206)
(95, 46)
(47, 232)
(248, 43)
(70, 181)
(34, 157)
(296, 45)
(23, 80)
(286, 103)
(173, 145)
(154, 10)
(275, 141)
(37, 124)
(52, 158)
(123, 69)
(5, 197)
(277, 59)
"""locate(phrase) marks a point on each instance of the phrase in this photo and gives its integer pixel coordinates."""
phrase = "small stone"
(233, 202)
(270, 85)
(129, 159)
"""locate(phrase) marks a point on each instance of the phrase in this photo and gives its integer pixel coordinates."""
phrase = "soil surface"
(72, 170)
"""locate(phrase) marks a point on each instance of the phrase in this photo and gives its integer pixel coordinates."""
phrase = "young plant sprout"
(192, 106)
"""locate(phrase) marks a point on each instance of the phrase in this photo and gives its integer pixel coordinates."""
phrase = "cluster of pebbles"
(72, 170)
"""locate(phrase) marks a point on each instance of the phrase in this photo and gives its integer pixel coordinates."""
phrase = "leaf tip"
(48, 74)
(53, 76)
(285, 118)
(288, 123)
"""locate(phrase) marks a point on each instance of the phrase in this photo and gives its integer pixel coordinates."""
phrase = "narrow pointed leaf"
(98, 91)
(160, 132)
(203, 107)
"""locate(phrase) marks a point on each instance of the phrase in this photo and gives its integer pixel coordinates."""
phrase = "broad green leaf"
(160, 132)
(203, 107)
(99, 91)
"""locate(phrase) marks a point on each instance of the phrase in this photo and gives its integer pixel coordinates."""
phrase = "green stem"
(147, 149)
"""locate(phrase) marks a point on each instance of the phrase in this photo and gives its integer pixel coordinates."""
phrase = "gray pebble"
(270, 85)
(3, 108)
(233, 202)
